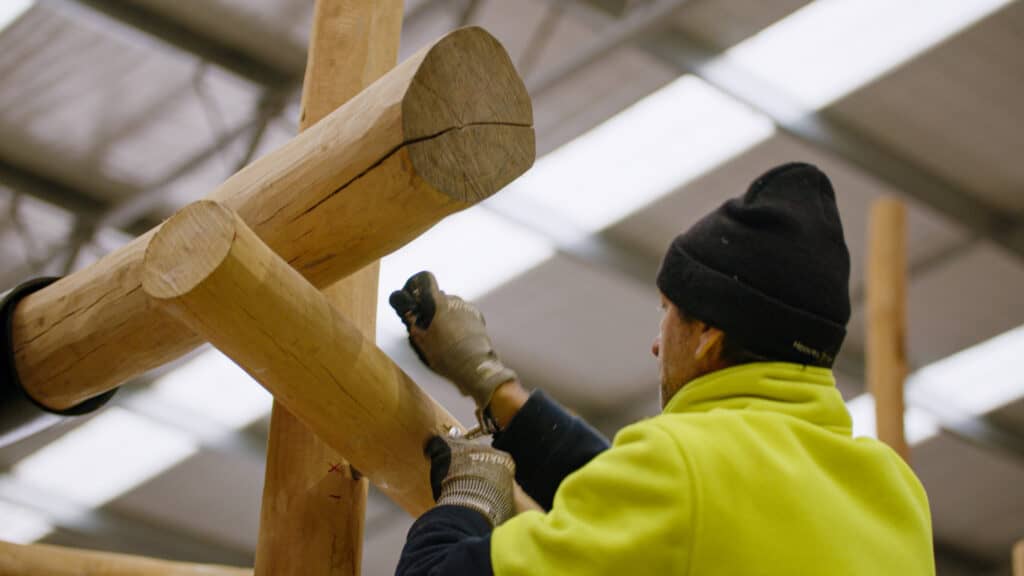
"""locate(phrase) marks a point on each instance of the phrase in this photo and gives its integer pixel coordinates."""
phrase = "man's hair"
(733, 353)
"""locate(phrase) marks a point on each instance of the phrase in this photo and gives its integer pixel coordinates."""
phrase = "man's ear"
(709, 345)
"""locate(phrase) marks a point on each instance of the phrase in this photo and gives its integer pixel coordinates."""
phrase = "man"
(750, 468)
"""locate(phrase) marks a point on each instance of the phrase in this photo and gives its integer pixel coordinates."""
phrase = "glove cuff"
(477, 494)
(495, 374)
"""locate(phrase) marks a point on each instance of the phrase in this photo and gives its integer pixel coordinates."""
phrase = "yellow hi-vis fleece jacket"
(749, 470)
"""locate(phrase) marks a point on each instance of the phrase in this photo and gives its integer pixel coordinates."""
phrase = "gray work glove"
(450, 336)
(475, 476)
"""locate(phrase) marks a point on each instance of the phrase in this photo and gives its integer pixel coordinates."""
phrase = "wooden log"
(887, 320)
(441, 131)
(314, 503)
(42, 559)
(259, 311)
(1018, 559)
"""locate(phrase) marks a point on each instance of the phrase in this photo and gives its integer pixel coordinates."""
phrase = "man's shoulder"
(694, 432)
(663, 432)
(674, 424)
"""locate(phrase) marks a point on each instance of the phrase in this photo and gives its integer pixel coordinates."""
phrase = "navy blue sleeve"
(447, 541)
(547, 444)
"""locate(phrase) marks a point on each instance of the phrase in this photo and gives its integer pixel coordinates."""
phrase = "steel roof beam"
(203, 47)
(44, 188)
(622, 33)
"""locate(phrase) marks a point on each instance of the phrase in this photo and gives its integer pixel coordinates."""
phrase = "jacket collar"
(805, 392)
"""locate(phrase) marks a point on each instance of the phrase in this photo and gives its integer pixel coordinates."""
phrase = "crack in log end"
(473, 162)
(466, 77)
(393, 151)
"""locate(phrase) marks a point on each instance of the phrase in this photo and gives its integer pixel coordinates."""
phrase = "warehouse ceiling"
(648, 114)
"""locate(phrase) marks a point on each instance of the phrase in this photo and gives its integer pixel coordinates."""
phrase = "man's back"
(750, 470)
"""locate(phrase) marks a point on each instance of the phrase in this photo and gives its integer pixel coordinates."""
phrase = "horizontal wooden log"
(209, 270)
(443, 130)
(42, 559)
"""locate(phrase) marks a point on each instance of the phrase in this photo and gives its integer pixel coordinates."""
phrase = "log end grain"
(467, 117)
(189, 247)
(471, 163)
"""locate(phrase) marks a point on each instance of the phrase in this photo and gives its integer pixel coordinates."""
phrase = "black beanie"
(770, 268)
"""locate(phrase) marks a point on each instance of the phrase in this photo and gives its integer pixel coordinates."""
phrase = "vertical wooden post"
(314, 503)
(886, 334)
(1018, 558)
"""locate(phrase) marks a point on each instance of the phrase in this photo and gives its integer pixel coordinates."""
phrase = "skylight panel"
(471, 253)
(11, 10)
(829, 48)
(22, 526)
(976, 380)
(212, 385)
(918, 425)
(107, 456)
(641, 154)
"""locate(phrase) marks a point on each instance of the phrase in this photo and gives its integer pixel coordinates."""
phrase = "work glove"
(450, 336)
(464, 473)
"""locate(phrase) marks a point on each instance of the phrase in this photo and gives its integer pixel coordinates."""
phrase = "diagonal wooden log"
(40, 559)
(314, 502)
(441, 131)
(251, 305)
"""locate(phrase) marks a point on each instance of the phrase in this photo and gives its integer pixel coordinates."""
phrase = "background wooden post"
(886, 334)
(314, 502)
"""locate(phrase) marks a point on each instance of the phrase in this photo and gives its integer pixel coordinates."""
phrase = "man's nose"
(656, 346)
